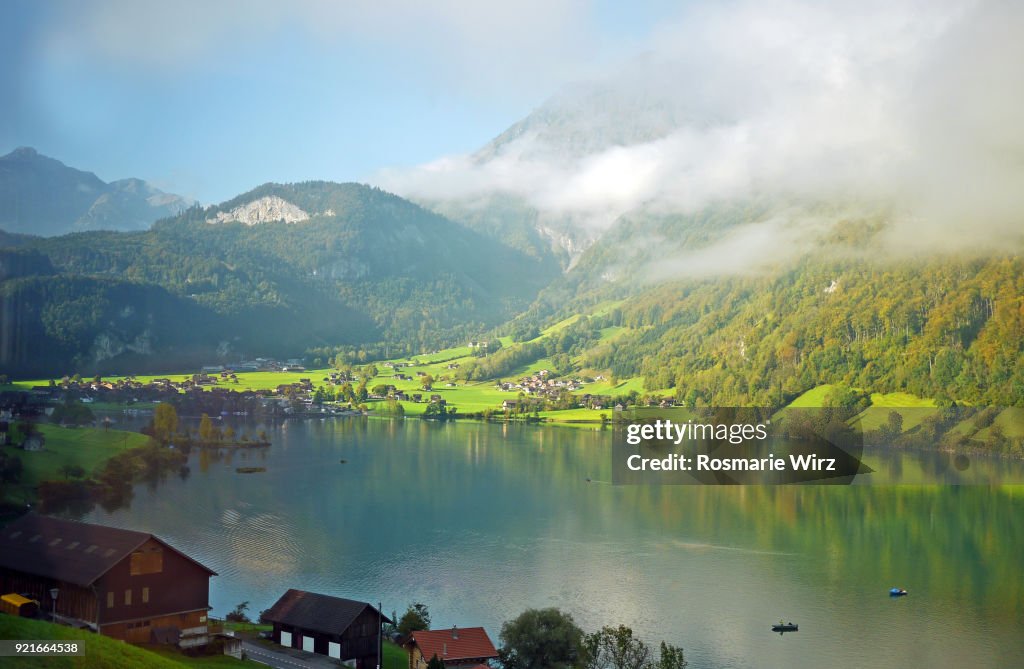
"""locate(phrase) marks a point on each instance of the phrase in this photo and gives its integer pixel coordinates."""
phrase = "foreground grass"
(394, 657)
(100, 652)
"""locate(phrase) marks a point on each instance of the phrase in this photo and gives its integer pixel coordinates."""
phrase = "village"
(135, 587)
(248, 389)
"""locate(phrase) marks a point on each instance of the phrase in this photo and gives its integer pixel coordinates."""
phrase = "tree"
(165, 422)
(415, 618)
(239, 615)
(435, 663)
(72, 413)
(616, 648)
(206, 432)
(427, 382)
(10, 468)
(541, 639)
(671, 657)
(72, 471)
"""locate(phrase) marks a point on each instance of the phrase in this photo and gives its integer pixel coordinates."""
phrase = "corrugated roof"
(464, 643)
(69, 551)
(316, 612)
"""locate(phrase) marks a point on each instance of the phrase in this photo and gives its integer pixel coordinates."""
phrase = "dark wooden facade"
(340, 628)
(358, 641)
(120, 583)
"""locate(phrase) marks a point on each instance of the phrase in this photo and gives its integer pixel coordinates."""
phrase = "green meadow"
(86, 447)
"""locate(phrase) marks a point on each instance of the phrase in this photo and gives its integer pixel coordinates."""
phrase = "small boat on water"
(785, 627)
(897, 592)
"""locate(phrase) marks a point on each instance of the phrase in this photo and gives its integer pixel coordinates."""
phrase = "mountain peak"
(23, 152)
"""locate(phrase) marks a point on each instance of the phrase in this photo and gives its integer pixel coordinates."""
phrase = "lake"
(480, 521)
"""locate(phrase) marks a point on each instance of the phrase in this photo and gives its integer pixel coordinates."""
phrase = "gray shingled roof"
(68, 551)
(315, 612)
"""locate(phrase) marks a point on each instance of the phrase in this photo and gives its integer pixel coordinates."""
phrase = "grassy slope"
(394, 657)
(468, 397)
(84, 446)
(100, 652)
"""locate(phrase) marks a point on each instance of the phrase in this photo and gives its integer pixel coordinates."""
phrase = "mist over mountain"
(43, 196)
(806, 111)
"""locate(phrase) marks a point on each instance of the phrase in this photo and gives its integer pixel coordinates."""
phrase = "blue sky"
(211, 99)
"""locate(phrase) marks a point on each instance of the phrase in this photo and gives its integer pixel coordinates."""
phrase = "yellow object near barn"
(16, 605)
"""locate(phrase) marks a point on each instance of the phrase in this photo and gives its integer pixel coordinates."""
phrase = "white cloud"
(463, 44)
(911, 105)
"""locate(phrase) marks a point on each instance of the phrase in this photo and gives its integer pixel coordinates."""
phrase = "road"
(280, 657)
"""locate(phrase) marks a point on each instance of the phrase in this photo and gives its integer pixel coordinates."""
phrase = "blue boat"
(897, 592)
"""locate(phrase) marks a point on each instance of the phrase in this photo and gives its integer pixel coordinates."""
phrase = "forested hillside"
(839, 306)
(358, 265)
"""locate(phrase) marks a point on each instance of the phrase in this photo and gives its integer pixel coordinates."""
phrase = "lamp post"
(53, 593)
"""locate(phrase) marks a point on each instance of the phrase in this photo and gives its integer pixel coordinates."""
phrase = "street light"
(53, 593)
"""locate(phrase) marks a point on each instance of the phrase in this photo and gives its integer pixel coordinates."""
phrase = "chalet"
(417, 397)
(459, 648)
(124, 584)
(509, 404)
(339, 628)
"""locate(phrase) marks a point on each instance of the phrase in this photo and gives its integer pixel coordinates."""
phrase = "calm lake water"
(482, 521)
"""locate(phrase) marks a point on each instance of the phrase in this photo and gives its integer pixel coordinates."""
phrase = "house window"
(110, 600)
(128, 597)
(145, 595)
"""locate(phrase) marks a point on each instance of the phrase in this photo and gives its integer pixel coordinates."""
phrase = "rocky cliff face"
(264, 210)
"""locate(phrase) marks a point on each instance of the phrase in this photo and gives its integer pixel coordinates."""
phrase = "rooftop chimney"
(455, 632)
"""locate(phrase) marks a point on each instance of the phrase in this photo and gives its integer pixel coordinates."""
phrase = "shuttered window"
(110, 600)
(128, 597)
(145, 595)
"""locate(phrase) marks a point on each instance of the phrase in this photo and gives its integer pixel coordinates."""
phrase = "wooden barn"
(340, 628)
(466, 648)
(124, 584)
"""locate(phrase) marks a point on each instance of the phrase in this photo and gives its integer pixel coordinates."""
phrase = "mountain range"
(43, 196)
(275, 271)
(741, 298)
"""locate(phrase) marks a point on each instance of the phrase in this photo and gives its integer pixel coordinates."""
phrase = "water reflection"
(481, 521)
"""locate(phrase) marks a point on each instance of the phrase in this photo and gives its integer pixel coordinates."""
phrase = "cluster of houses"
(135, 587)
(258, 365)
(540, 385)
(201, 393)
